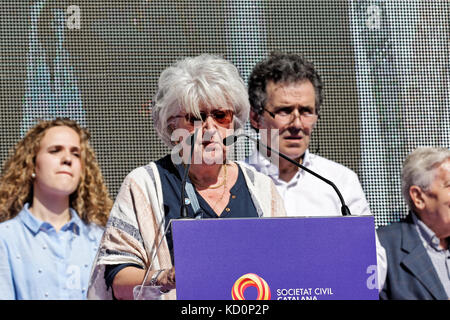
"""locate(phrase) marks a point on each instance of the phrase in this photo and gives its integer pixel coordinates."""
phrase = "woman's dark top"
(240, 205)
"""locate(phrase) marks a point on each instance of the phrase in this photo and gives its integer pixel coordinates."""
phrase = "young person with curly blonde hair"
(53, 209)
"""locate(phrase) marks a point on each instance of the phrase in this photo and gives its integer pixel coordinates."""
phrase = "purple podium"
(305, 258)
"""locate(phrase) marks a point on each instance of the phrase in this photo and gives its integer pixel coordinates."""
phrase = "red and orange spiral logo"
(250, 280)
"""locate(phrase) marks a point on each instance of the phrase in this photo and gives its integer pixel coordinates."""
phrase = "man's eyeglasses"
(221, 117)
(287, 114)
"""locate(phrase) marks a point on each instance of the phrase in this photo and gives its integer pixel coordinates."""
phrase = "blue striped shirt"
(36, 262)
(439, 257)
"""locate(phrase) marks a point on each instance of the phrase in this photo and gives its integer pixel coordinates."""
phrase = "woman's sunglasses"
(221, 117)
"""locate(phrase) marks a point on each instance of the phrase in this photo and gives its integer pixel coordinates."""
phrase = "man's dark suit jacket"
(410, 274)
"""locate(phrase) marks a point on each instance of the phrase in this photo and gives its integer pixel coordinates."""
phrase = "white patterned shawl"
(136, 224)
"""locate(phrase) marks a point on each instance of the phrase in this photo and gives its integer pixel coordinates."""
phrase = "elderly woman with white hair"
(204, 93)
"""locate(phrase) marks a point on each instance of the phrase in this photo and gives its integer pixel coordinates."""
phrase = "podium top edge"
(274, 218)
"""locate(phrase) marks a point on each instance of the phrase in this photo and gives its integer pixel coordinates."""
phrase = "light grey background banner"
(385, 67)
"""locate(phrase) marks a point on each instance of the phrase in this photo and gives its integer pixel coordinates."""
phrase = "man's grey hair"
(195, 81)
(419, 169)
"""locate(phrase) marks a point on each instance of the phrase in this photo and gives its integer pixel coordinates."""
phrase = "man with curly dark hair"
(285, 93)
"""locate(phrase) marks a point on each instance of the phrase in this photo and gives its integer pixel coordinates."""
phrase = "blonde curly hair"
(91, 199)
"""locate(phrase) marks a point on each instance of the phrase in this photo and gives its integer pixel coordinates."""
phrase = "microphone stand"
(183, 204)
(345, 211)
(183, 210)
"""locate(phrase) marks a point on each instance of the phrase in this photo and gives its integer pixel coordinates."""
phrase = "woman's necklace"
(224, 180)
(224, 184)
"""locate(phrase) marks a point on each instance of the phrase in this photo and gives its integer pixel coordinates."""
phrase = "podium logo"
(250, 280)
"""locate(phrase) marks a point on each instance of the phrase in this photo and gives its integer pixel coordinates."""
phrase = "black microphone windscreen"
(189, 139)
(228, 141)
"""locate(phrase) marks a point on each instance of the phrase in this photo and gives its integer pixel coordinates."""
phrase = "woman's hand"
(167, 279)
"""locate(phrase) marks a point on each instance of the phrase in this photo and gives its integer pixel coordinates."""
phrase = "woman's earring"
(33, 175)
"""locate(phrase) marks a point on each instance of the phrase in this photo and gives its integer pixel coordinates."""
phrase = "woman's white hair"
(205, 80)
(419, 169)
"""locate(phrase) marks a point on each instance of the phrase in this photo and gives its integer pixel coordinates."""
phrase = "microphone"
(190, 140)
(345, 211)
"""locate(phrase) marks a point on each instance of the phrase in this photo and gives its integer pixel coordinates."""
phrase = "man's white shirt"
(307, 195)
